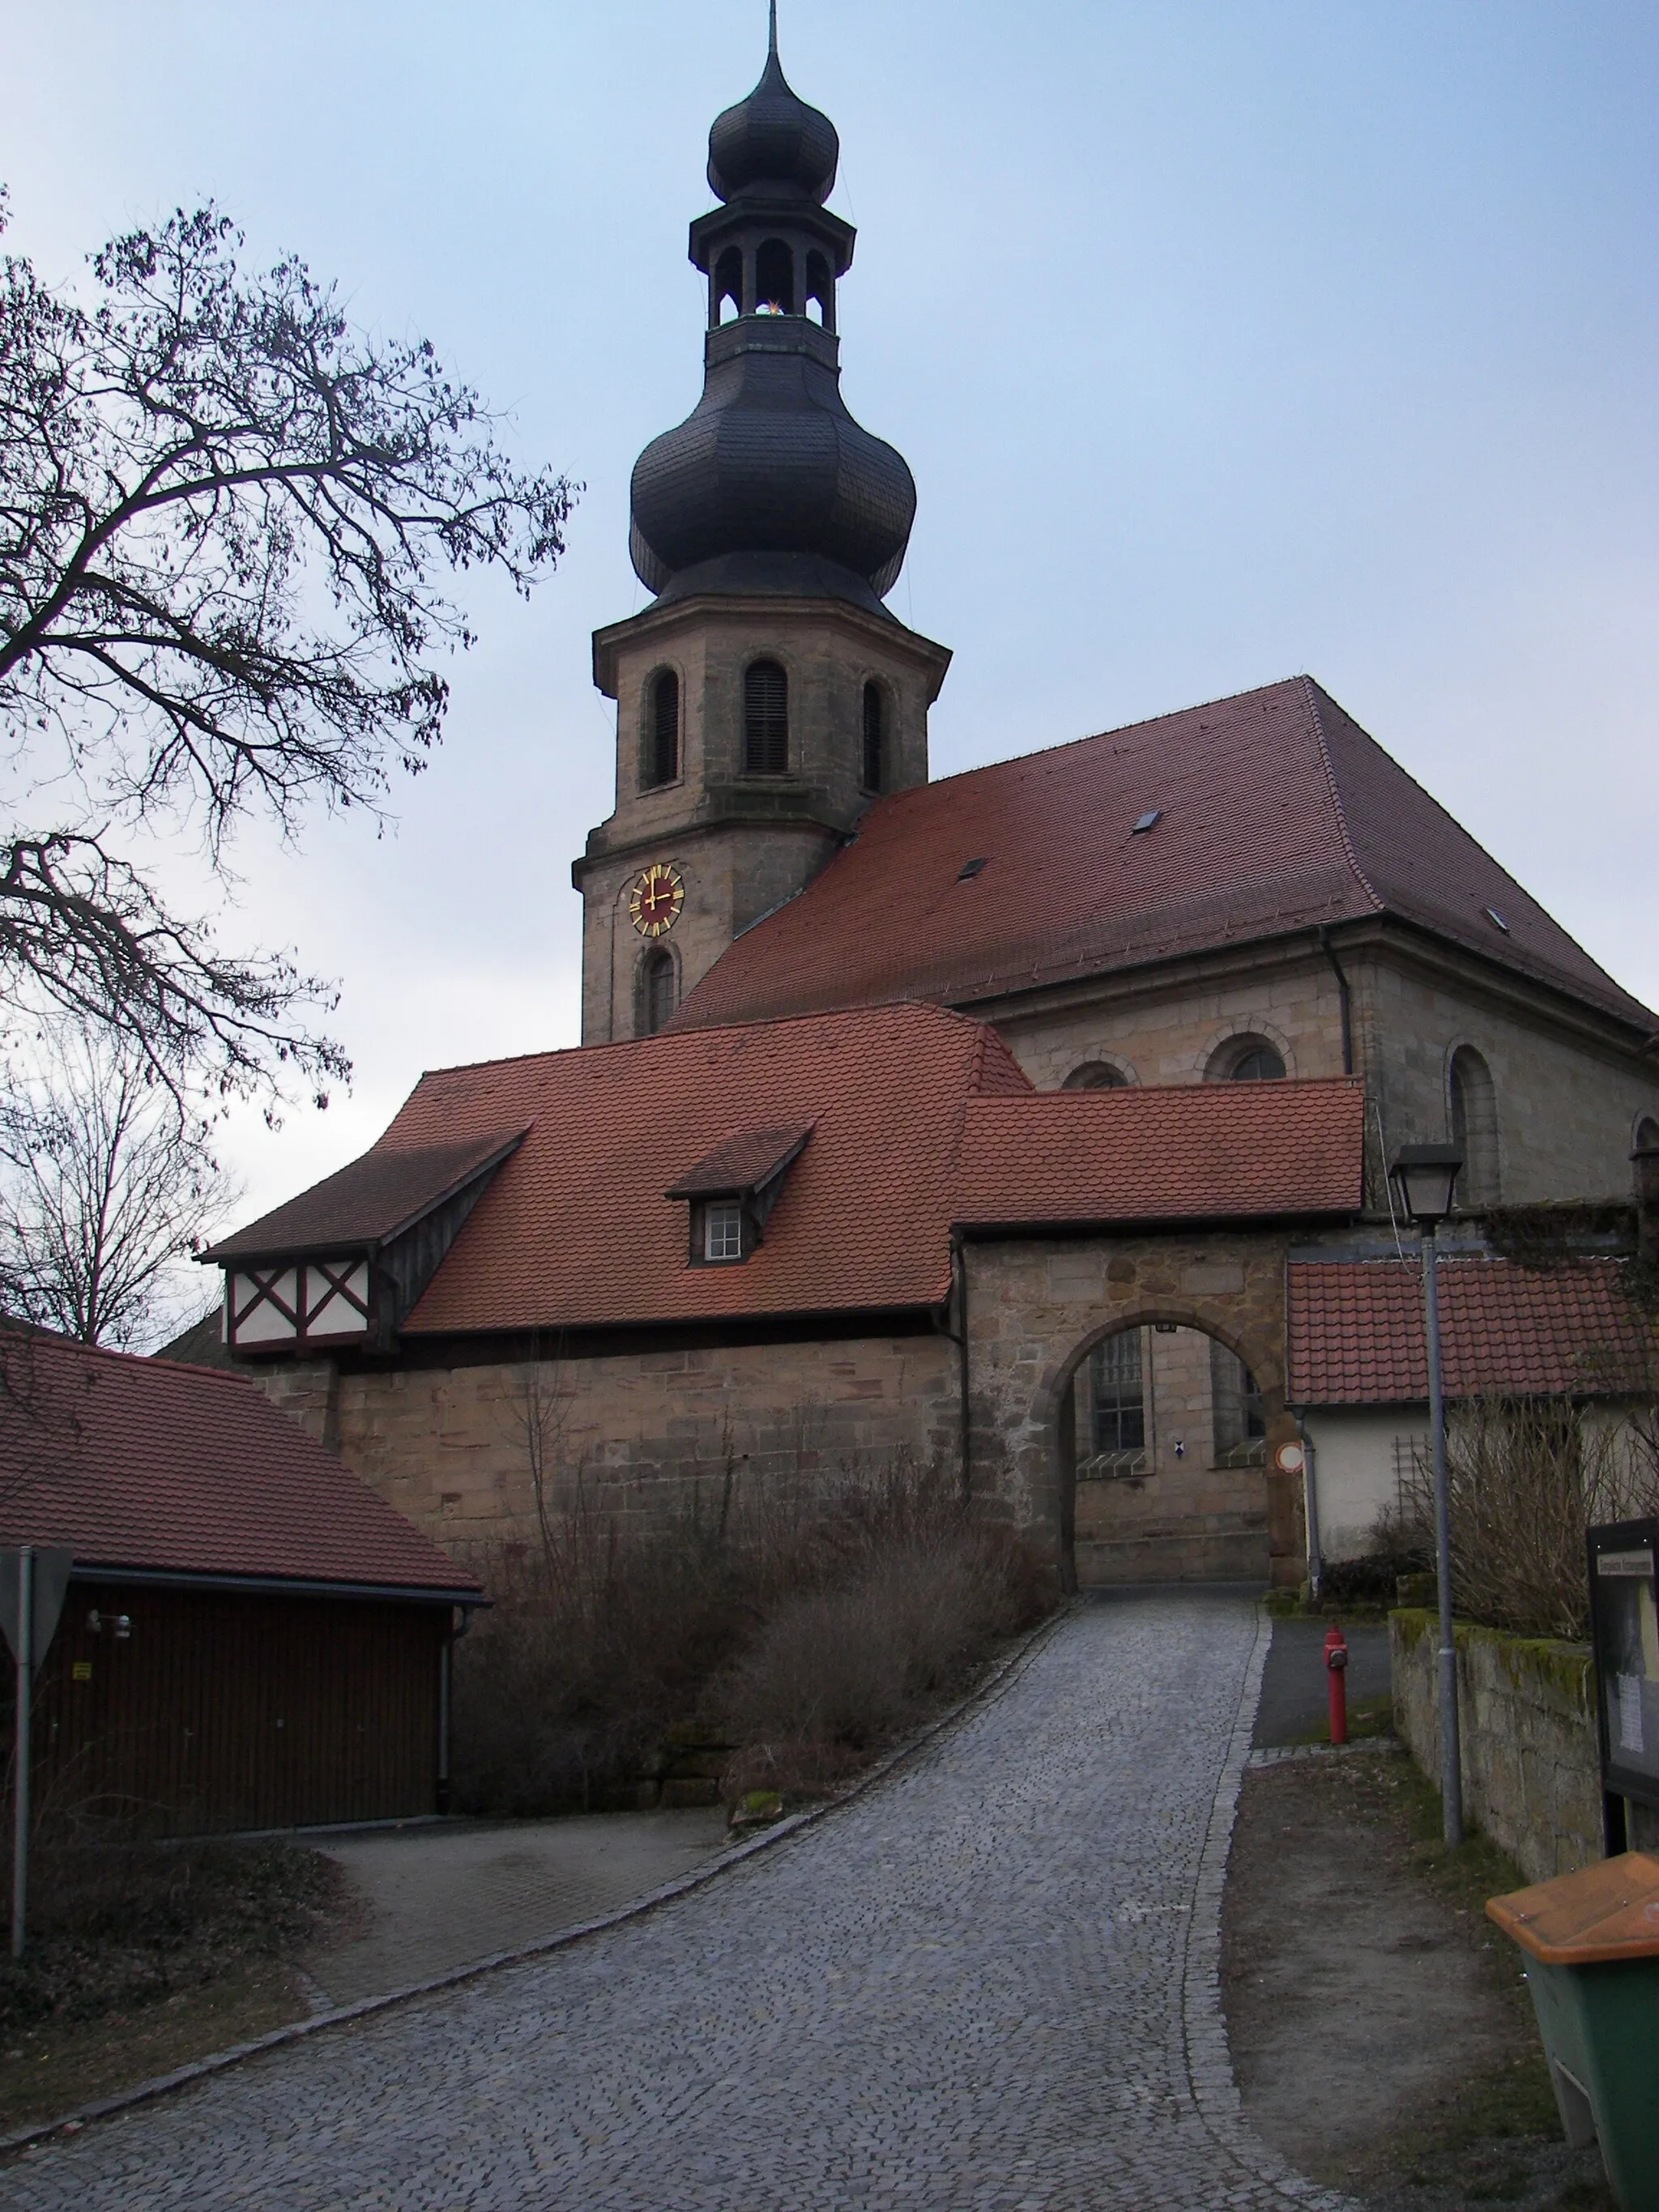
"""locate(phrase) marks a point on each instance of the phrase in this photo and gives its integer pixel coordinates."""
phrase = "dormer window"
(734, 1189)
(722, 1231)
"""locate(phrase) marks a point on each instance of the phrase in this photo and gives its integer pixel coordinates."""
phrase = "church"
(1035, 1120)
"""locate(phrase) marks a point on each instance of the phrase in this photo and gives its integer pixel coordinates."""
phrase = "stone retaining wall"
(1532, 1777)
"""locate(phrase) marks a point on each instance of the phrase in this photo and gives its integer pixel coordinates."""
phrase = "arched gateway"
(1190, 1490)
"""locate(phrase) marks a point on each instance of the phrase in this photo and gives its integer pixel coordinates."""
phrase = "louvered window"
(765, 719)
(662, 737)
(875, 739)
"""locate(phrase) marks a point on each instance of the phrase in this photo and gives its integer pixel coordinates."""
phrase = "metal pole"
(19, 1843)
(1451, 1757)
(1310, 1508)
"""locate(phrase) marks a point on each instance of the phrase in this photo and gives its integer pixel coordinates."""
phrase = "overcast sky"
(1224, 341)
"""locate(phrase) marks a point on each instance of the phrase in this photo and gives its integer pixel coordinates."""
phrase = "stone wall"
(1567, 1099)
(449, 1446)
(743, 843)
(1166, 1031)
(1567, 1104)
(1532, 1778)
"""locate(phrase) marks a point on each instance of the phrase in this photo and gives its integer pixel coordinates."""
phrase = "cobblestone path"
(986, 1986)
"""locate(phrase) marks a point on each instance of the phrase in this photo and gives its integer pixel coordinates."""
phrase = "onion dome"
(773, 139)
(769, 484)
(771, 464)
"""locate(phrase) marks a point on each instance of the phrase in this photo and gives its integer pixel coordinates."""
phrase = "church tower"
(766, 696)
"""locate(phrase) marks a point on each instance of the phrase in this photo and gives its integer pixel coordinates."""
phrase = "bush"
(117, 1921)
(1527, 1477)
(792, 1630)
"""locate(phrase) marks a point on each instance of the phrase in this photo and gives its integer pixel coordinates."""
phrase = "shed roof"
(1194, 1152)
(371, 1199)
(1276, 812)
(1357, 1332)
(140, 1464)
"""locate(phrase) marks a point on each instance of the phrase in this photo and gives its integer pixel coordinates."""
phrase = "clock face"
(656, 899)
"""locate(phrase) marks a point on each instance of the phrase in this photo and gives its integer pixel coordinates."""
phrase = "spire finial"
(772, 29)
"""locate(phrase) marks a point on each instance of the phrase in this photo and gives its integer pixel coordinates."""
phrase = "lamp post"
(1424, 1176)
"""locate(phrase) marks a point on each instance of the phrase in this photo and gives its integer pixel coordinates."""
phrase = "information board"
(1625, 1627)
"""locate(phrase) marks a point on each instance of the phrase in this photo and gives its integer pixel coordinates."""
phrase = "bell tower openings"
(767, 695)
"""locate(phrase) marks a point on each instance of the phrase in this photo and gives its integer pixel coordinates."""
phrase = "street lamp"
(1425, 1176)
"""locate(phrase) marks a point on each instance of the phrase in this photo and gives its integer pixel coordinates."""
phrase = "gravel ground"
(435, 1898)
(988, 1984)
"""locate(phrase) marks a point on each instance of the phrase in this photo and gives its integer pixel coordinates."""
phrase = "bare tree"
(104, 1186)
(221, 516)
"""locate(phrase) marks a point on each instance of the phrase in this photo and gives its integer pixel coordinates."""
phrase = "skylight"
(1495, 919)
(970, 868)
(1149, 820)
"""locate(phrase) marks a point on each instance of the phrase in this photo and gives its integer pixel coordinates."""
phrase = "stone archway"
(1038, 1311)
(1161, 1442)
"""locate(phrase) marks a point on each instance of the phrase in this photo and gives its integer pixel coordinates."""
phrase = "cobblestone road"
(986, 1986)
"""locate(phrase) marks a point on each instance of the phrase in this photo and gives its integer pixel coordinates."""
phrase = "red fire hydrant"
(1336, 1662)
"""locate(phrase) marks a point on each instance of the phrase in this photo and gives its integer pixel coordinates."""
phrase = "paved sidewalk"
(440, 1896)
(987, 1985)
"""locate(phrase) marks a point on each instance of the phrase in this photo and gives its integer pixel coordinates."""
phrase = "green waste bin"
(1592, 1940)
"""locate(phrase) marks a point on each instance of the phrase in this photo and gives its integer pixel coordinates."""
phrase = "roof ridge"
(863, 1011)
(919, 790)
(1312, 693)
(146, 1362)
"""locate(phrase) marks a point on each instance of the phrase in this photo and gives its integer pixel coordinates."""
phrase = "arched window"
(728, 285)
(820, 290)
(1647, 1135)
(656, 991)
(765, 719)
(1246, 1058)
(775, 279)
(1472, 1103)
(660, 761)
(1095, 1075)
(1238, 1414)
(875, 739)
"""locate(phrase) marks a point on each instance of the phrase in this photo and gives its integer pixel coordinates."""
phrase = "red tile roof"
(746, 1162)
(918, 1118)
(369, 1202)
(1279, 813)
(576, 1230)
(1202, 1152)
(1357, 1334)
(138, 1463)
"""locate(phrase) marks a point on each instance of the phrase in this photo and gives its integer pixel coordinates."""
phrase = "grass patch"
(1367, 1718)
(1477, 2144)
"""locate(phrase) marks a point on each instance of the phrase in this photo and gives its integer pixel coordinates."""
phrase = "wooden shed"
(251, 1637)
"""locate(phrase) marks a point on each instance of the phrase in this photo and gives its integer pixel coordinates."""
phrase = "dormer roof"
(742, 1163)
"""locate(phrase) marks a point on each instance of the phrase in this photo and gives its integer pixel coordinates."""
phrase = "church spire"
(770, 485)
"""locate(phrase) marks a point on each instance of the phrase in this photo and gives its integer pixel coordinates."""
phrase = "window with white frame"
(722, 1231)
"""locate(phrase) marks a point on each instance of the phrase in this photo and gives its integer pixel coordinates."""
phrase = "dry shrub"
(119, 1920)
(794, 1623)
(851, 1663)
(1527, 1477)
